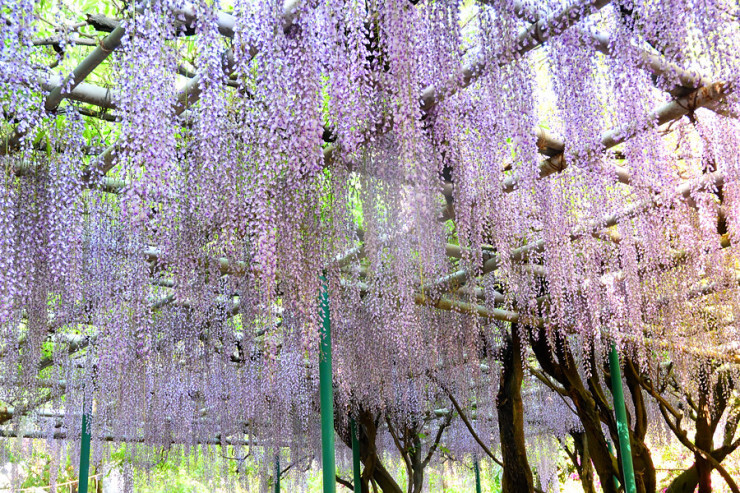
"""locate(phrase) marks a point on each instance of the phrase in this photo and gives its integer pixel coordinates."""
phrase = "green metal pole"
(277, 474)
(84, 451)
(477, 476)
(355, 456)
(615, 478)
(326, 393)
(625, 450)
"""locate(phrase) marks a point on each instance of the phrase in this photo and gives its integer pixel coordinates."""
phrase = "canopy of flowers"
(491, 188)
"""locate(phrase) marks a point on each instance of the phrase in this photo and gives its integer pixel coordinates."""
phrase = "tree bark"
(564, 370)
(517, 475)
(707, 419)
(687, 481)
(585, 469)
(373, 468)
(641, 458)
(703, 441)
(417, 467)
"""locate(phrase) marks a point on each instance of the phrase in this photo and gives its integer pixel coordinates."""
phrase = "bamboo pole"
(592, 227)
(615, 478)
(277, 473)
(705, 96)
(90, 63)
(326, 393)
(87, 93)
(85, 68)
(477, 476)
(355, 456)
(449, 304)
(652, 63)
(623, 431)
(59, 435)
(527, 40)
(84, 449)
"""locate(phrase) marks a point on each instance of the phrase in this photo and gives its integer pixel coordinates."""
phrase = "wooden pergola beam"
(190, 94)
(68, 85)
(527, 40)
(704, 97)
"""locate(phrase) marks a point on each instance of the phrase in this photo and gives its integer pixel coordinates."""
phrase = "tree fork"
(704, 434)
(687, 481)
(368, 454)
(567, 375)
(585, 470)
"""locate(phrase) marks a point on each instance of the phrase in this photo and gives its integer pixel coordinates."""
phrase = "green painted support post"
(355, 456)
(277, 474)
(84, 451)
(625, 449)
(477, 476)
(615, 478)
(326, 394)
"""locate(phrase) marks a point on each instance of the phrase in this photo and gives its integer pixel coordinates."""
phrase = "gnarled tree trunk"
(416, 479)
(558, 362)
(641, 458)
(687, 481)
(517, 475)
(373, 469)
(585, 469)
